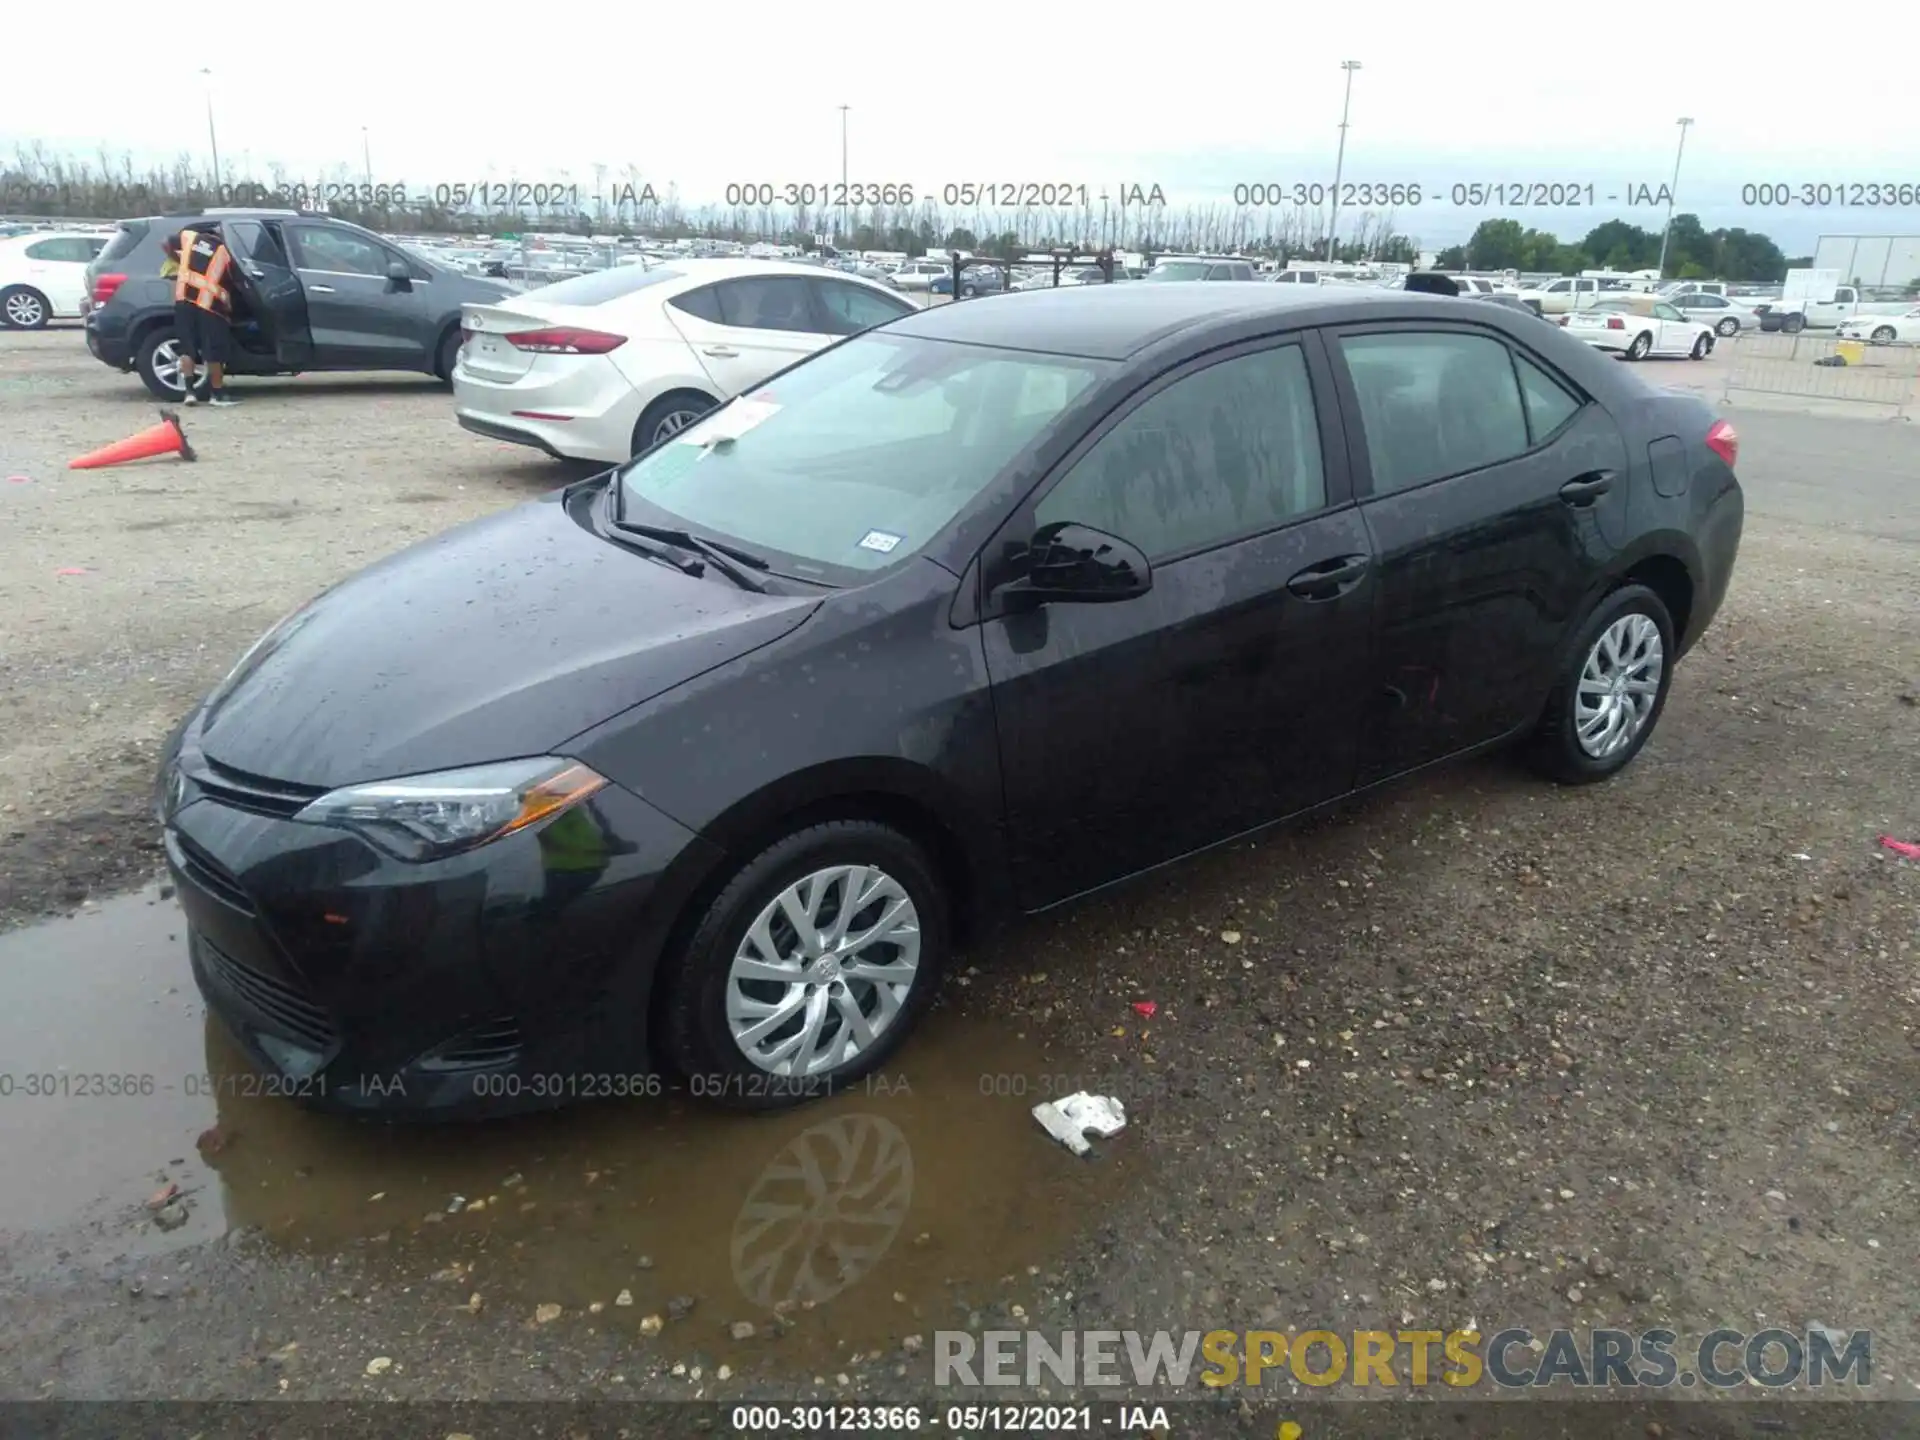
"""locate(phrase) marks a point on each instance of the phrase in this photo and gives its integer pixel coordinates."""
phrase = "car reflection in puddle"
(920, 1195)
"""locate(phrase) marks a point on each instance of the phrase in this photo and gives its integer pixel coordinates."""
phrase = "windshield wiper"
(682, 563)
(718, 554)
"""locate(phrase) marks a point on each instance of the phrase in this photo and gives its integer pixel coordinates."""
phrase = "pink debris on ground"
(1901, 847)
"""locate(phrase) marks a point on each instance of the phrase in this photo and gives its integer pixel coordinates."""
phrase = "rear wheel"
(668, 416)
(24, 308)
(807, 971)
(1611, 691)
(1642, 343)
(1728, 326)
(1794, 324)
(158, 361)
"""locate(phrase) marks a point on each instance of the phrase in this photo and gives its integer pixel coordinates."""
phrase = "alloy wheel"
(672, 423)
(824, 970)
(26, 311)
(1619, 686)
(166, 365)
(1728, 326)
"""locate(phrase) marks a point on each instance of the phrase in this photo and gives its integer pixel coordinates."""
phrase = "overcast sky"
(1105, 95)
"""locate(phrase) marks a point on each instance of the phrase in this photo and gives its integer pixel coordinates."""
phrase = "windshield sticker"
(880, 540)
(730, 423)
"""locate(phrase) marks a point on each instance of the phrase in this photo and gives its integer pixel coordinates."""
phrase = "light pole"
(212, 140)
(842, 236)
(1340, 160)
(366, 153)
(1683, 122)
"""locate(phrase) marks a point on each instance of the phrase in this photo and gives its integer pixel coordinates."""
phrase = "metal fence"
(1885, 378)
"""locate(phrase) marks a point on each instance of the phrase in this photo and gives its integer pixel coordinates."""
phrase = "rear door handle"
(1330, 578)
(321, 289)
(1588, 488)
(723, 352)
(254, 270)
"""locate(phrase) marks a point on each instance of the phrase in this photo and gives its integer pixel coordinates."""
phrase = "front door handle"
(1330, 578)
(1588, 488)
(254, 270)
(722, 352)
(321, 289)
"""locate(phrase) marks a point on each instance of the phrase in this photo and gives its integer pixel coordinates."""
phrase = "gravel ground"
(1474, 1050)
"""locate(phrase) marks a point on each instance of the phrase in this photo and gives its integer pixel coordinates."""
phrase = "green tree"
(961, 238)
(1496, 245)
(1454, 257)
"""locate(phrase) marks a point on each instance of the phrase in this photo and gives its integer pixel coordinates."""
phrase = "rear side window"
(125, 241)
(1434, 404)
(767, 302)
(599, 286)
(1548, 403)
(702, 304)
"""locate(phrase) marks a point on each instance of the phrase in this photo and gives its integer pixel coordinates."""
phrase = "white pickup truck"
(1811, 301)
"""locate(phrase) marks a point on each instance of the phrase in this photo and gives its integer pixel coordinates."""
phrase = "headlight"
(426, 817)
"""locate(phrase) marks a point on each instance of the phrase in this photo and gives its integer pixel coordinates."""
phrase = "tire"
(695, 1034)
(24, 308)
(1728, 326)
(1701, 346)
(1642, 343)
(447, 355)
(669, 415)
(1794, 324)
(158, 359)
(1557, 749)
(1884, 335)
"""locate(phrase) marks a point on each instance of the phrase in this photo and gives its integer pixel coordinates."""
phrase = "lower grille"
(210, 875)
(495, 1043)
(294, 1013)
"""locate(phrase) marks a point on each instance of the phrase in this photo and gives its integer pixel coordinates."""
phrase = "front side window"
(1667, 312)
(1434, 404)
(856, 458)
(1179, 270)
(318, 247)
(1549, 404)
(1228, 451)
(852, 308)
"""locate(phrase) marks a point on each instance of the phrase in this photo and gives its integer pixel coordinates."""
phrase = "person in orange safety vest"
(203, 310)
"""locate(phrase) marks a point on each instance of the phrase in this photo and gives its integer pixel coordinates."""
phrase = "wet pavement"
(839, 1228)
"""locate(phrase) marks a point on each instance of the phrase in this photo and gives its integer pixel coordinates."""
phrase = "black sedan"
(698, 767)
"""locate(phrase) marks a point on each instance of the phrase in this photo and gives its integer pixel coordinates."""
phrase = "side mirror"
(1069, 562)
(399, 277)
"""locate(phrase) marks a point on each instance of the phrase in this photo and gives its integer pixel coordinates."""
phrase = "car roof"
(1106, 323)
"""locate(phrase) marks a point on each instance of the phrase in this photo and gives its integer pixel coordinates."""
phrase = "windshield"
(1179, 270)
(855, 459)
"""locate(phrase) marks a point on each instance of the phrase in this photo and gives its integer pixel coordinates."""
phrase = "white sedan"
(1727, 317)
(43, 276)
(607, 365)
(1884, 329)
(1637, 326)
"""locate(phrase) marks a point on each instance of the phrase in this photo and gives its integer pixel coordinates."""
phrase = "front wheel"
(1642, 343)
(1883, 335)
(159, 364)
(24, 308)
(1611, 690)
(1701, 345)
(808, 969)
(1728, 326)
(447, 356)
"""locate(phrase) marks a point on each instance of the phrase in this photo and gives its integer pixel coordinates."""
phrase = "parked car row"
(43, 275)
(705, 762)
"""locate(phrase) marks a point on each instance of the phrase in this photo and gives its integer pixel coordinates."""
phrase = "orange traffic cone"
(166, 438)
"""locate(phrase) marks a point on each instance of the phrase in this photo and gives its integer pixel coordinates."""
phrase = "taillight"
(1614, 322)
(1724, 441)
(105, 285)
(564, 340)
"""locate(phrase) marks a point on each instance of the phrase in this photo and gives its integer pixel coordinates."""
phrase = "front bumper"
(483, 984)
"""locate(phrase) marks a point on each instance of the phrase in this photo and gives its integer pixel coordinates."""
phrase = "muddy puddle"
(842, 1226)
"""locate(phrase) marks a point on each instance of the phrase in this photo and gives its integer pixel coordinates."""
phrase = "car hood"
(499, 639)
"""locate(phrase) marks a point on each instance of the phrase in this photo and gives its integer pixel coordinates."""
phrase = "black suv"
(311, 293)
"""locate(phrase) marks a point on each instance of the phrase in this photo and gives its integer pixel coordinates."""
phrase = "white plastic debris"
(1069, 1120)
